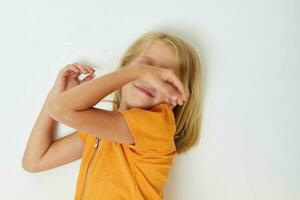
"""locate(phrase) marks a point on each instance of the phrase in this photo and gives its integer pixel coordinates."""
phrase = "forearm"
(40, 139)
(90, 93)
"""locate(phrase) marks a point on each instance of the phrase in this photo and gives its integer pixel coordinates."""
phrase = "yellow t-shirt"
(136, 171)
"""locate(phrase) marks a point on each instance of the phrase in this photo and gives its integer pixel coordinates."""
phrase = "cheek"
(131, 95)
(159, 96)
(127, 90)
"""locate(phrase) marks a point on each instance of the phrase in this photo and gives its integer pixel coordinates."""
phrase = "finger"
(176, 93)
(78, 70)
(178, 84)
(73, 74)
(82, 68)
(179, 100)
(170, 92)
(74, 69)
(174, 101)
(90, 69)
(174, 98)
(65, 69)
(169, 102)
(165, 90)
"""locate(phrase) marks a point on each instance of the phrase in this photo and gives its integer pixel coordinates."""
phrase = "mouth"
(145, 90)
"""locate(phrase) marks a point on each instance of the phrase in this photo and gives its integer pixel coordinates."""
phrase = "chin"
(137, 103)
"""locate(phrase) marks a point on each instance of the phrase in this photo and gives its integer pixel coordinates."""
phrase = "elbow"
(54, 108)
(29, 167)
(57, 109)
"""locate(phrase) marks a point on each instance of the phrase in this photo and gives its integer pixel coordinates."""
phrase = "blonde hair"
(188, 116)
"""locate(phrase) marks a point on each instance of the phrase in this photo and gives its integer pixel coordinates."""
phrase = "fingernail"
(174, 97)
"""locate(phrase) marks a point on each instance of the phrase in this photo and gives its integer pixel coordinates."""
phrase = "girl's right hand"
(164, 80)
(67, 77)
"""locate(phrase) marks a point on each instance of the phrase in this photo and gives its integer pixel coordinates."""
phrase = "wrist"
(53, 92)
(133, 70)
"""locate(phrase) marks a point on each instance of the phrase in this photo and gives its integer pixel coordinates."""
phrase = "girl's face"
(160, 55)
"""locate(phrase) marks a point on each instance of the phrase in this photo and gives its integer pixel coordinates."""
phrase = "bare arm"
(39, 140)
(41, 151)
(75, 107)
(62, 151)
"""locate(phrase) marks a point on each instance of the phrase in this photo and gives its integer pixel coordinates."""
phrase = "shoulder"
(152, 129)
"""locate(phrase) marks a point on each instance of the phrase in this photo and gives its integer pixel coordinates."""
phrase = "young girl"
(127, 152)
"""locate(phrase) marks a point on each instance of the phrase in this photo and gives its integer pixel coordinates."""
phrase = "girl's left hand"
(68, 77)
(164, 80)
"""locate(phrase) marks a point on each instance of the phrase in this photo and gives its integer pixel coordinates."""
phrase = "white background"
(249, 147)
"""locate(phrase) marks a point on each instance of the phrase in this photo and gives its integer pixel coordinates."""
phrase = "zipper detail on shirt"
(87, 171)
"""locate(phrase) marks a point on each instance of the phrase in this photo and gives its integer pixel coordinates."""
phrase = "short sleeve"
(153, 129)
(83, 135)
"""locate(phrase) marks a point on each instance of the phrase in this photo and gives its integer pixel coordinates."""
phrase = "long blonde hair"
(188, 117)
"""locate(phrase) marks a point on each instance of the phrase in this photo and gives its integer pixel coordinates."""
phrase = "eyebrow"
(148, 58)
